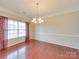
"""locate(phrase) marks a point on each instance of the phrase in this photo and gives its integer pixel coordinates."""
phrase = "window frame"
(19, 23)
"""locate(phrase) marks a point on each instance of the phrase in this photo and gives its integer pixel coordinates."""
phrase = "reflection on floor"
(39, 50)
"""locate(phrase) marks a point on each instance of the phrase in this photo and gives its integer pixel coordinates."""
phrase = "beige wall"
(12, 42)
(61, 29)
(14, 16)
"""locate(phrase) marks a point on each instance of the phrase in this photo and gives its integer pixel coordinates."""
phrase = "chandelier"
(37, 19)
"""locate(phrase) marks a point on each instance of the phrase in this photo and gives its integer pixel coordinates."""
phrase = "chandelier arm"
(37, 19)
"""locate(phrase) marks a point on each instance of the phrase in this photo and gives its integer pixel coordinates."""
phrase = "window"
(16, 29)
(22, 29)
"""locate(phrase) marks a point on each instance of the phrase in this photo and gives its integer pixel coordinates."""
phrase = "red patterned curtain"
(27, 32)
(3, 32)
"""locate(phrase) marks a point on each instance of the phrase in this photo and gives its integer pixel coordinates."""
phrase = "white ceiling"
(46, 7)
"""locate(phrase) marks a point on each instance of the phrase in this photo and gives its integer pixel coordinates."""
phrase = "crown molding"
(61, 13)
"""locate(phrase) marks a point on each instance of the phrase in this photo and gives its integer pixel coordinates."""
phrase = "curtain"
(27, 32)
(3, 32)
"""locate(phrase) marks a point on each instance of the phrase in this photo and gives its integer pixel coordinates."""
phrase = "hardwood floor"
(39, 50)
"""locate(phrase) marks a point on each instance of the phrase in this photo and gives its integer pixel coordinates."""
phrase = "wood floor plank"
(39, 50)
